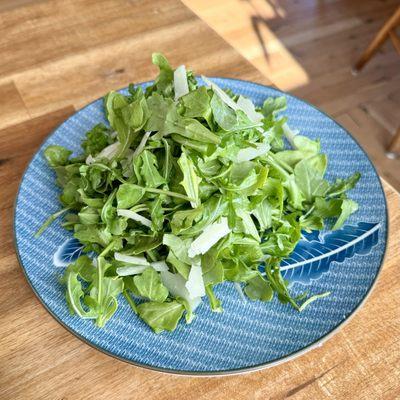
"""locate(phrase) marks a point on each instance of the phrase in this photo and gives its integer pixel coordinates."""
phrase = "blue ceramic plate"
(246, 336)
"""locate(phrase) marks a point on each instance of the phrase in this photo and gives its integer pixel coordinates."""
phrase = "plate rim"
(213, 373)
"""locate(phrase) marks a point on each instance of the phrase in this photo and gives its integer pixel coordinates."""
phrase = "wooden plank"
(113, 64)
(17, 144)
(374, 139)
(386, 112)
(12, 107)
(7, 5)
(55, 30)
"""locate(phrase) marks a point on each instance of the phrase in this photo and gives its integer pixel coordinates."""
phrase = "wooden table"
(57, 56)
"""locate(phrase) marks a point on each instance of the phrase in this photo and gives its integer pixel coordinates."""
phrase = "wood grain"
(57, 56)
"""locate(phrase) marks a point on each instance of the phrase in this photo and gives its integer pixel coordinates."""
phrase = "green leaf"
(306, 145)
(149, 285)
(212, 209)
(96, 140)
(182, 220)
(157, 213)
(195, 130)
(104, 292)
(236, 270)
(128, 195)
(197, 104)
(181, 267)
(149, 170)
(203, 148)
(247, 224)
(190, 180)
(309, 177)
(179, 246)
(343, 185)
(189, 315)
(130, 301)
(88, 216)
(294, 194)
(114, 224)
(178, 253)
(281, 288)
(165, 79)
(224, 116)
(163, 115)
(215, 303)
(57, 155)
(283, 238)
(49, 221)
(258, 288)
(213, 270)
(114, 104)
(74, 295)
(348, 207)
(84, 267)
(92, 234)
(273, 105)
(161, 316)
(126, 119)
(95, 202)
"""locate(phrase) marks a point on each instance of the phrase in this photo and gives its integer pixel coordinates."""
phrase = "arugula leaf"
(348, 207)
(309, 174)
(126, 118)
(149, 285)
(128, 195)
(149, 170)
(88, 216)
(191, 180)
(165, 79)
(273, 105)
(103, 293)
(213, 270)
(74, 295)
(258, 288)
(281, 288)
(57, 155)
(343, 185)
(96, 139)
(215, 303)
(224, 116)
(162, 114)
(161, 316)
(197, 104)
(87, 234)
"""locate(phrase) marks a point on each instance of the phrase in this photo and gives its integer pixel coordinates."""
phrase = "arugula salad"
(186, 187)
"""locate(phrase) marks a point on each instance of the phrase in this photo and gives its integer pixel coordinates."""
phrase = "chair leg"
(393, 150)
(378, 40)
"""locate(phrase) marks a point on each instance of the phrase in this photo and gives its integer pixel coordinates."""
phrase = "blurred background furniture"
(388, 31)
(393, 149)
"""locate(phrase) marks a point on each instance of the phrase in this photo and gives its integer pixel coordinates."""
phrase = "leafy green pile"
(189, 186)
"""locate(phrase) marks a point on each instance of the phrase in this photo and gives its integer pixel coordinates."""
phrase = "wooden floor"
(307, 48)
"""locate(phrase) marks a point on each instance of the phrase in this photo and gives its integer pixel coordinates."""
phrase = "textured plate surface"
(246, 335)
